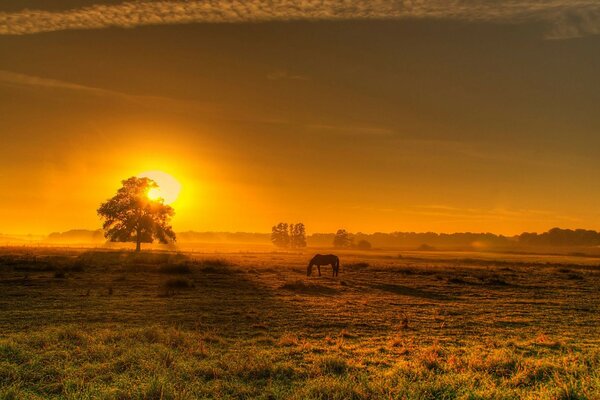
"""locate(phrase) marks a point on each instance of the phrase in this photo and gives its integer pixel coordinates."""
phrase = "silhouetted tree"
(279, 235)
(130, 216)
(297, 235)
(342, 239)
(363, 245)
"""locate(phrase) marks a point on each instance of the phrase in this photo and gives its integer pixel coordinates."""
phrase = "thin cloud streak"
(566, 18)
(16, 79)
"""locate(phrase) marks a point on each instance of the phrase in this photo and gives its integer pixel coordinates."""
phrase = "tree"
(342, 239)
(130, 216)
(280, 236)
(297, 235)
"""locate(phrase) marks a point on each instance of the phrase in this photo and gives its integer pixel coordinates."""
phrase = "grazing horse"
(320, 259)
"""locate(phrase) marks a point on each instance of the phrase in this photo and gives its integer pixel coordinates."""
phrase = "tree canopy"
(342, 239)
(131, 216)
(289, 235)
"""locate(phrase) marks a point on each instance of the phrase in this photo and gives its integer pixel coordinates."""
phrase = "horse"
(320, 259)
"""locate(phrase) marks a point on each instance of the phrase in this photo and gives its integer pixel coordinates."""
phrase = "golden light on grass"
(168, 187)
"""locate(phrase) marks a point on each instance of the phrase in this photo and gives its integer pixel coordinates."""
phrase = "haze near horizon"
(376, 117)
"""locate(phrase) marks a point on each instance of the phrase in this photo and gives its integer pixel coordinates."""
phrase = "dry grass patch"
(308, 288)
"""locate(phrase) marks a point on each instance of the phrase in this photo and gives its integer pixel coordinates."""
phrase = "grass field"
(78, 324)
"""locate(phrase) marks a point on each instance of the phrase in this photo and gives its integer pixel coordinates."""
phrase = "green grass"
(119, 325)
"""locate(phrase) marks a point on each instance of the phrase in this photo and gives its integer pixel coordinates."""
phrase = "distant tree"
(130, 216)
(363, 245)
(342, 239)
(280, 236)
(297, 235)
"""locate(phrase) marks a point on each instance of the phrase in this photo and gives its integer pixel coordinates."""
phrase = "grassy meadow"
(93, 324)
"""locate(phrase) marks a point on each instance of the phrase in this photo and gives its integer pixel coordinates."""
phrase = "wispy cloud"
(350, 130)
(567, 18)
(9, 78)
(285, 75)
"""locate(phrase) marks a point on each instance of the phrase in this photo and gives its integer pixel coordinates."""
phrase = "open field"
(115, 325)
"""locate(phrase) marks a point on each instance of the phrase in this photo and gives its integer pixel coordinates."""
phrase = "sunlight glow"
(168, 187)
(154, 194)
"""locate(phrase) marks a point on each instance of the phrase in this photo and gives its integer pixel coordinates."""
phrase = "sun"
(168, 187)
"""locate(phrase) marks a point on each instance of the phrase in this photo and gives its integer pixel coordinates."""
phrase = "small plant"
(288, 339)
(404, 323)
(333, 365)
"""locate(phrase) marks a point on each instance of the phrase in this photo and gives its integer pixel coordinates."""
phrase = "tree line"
(291, 236)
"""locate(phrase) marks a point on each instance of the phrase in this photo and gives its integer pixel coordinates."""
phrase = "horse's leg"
(319, 268)
(333, 269)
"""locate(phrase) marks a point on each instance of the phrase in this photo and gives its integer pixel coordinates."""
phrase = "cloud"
(285, 75)
(348, 130)
(9, 78)
(567, 18)
(575, 23)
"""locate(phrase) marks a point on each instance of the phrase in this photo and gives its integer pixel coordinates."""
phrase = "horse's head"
(309, 268)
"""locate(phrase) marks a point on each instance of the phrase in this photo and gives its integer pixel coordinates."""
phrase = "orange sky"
(407, 124)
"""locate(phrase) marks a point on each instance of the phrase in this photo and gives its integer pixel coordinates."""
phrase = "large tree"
(280, 236)
(297, 235)
(131, 216)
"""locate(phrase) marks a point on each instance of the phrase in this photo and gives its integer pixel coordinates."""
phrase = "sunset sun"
(168, 187)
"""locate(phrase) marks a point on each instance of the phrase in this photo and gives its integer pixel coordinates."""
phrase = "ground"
(88, 324)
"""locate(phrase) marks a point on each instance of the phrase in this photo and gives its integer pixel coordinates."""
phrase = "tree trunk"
(138, 243)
